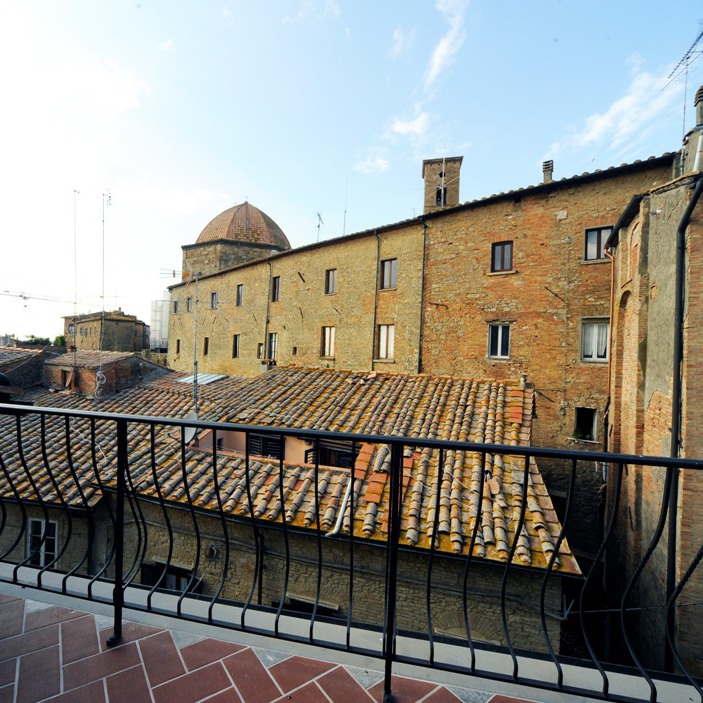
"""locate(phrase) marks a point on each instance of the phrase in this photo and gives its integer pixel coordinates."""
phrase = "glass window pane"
(505, 340)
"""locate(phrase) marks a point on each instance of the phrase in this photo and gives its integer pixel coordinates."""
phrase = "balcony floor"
(53, 653)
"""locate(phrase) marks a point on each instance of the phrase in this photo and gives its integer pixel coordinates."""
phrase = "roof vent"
(547, 171)
(698, 102)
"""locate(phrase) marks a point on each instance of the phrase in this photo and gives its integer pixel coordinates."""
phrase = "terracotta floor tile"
(131, 632)
(40, 675)
(8, 599)
(92, 693)
(207, 651)
(11, 618)
(129, 686)
(161, 659)
(227, 696)
(404, 690)
(100, 665)
(341, 687)
(29, 642)
(294, 672)
(441, 695)
(7, 694)
(193, 686)
(48, 616)
(507, 699)
(251, 678)
(79, 639)
(7, 671)
(311, 693)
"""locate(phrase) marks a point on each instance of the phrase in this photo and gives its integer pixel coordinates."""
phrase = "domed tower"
(238, 235)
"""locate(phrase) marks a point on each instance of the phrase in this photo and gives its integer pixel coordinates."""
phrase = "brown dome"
(246, 224)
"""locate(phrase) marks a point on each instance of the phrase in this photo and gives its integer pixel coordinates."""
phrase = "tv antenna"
(319, 222)
(682, 67)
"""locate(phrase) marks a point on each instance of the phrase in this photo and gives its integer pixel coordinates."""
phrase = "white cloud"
(166, 45)
(227, 14)
(374, 163)
(416, 127)
(628, 117)
(448, 46)
(316, 9)
(402, 42)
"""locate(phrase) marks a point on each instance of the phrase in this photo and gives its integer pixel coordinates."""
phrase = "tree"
(60, 341)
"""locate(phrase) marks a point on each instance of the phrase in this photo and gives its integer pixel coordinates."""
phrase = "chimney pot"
(547, 171)
(698, 102)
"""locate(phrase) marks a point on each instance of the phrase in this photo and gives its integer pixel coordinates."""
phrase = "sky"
(126, 126)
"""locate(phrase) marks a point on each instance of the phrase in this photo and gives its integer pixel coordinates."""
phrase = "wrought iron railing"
(179, 518)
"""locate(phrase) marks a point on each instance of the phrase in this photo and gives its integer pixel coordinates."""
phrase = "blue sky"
(179, 110)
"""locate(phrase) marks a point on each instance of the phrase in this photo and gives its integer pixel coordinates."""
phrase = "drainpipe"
(422, 295)
(375, 298)
(338, 525)
(676, 405)
(268, 312)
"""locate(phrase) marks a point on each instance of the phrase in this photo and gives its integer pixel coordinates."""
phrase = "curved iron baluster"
(598, 557)
(433, 541)
(504, 583)
(40, 499)
(221, 512)
(196, 527)
(318, 585)
(547, 574)
(258, 556)
(286, 576)
(638, 571)
(164, 511)
(469, 558)
(139, 523)
(669, 605)
(23, 510)
(96, 473)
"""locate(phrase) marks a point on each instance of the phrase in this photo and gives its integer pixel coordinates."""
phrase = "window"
(386, 341)
(213, 301)
(441, 196)
(170, 578)
(595, 243)
(235, 346)
(275, 289)
(271, 445)
(502, 256)
(206, 346)
(240, 294)
(330, 281)
(178, 346)
(594, 340)
(272, 346)
(499, 341)
(175, 312)
(389, 273)
(41, 542)
(585, 424)
(189, 304)
(333, 453)
(260, 350)
(328, 334)
(71, 328)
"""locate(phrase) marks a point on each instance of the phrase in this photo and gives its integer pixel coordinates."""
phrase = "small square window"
(502, 256)
(235, 346)
(330, 281)
(213, 300)
(595, 240)
(499, 341)
(389, 273)
(275, 289)
(594, 340)
(385, 342)
(327, 346)
(240, 294)
(585, 424)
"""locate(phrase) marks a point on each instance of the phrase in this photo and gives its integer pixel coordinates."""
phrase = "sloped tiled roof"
(88, 359)
(10, 356)
(443, 501)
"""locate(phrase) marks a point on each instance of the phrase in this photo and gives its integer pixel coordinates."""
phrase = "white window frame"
(499, 330)
(330, 281)
(386, 342)
(389, 274)
(240, 295)
(272, 346)
(214, 300)
(328, 340)
(595, 349)
(46, 544)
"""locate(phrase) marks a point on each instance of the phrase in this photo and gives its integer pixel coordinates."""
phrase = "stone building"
(107, 331)
(656, 381)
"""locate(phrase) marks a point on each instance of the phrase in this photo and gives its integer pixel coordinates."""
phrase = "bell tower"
(441, 178)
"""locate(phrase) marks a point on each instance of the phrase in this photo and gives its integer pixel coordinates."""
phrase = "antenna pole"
(195, 348)
(319, 222)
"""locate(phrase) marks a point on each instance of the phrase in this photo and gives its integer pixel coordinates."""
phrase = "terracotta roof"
(445, 506)
(13, 355)
(245, 223)
(88, 359)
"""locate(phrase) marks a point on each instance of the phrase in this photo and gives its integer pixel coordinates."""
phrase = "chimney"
(547, 171)
(698, 103)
